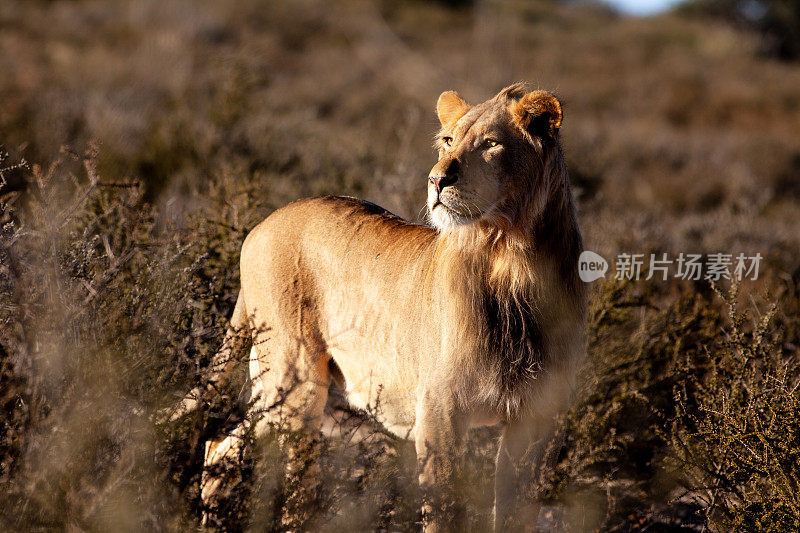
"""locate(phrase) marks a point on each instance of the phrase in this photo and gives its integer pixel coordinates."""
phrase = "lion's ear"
(538, 113)
(450, 107)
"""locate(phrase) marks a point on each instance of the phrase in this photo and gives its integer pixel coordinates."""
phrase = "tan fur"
(476, 321)
(538, 104)
(450, 107)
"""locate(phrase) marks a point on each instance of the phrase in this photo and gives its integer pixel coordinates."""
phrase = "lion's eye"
(448, 141)
(490, 143)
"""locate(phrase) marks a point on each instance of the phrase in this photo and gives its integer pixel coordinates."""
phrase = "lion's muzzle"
(446, 176)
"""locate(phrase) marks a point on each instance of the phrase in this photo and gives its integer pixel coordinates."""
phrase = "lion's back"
(312, 224)
(329, 245)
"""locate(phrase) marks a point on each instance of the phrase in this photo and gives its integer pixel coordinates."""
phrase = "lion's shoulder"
(331, 221)
(349, 211)
(351, 205)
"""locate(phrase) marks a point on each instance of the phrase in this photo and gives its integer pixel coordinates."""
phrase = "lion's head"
(499, 161)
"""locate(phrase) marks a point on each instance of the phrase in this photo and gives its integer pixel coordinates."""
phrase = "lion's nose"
(440, 182)
(450, 176)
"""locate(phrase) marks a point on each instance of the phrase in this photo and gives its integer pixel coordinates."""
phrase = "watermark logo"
(713, 267)
(591, 266)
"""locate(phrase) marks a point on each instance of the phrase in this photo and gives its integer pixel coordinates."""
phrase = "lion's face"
(490, 156)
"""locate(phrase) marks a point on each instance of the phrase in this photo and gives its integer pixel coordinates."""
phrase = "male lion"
(477, 320)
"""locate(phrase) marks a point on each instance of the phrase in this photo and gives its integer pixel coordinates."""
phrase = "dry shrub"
(685, 416)
(734, 438)
(611, 473)
(101, 315)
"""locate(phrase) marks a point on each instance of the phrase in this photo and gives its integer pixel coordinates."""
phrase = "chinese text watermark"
(713, 267)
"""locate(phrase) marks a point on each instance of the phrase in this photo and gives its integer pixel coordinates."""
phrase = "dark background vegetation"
(188, 122)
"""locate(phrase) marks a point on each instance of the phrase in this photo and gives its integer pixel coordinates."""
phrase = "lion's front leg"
(527, 448)
(439, 440)
(521, 454)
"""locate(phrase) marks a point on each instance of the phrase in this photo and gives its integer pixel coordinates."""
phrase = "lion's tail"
(237, 339)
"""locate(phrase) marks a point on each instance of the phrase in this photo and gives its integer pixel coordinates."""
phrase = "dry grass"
(118, 265)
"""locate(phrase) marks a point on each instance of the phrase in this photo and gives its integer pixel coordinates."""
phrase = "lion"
(476, 319)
